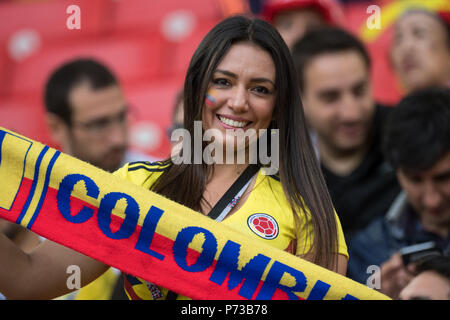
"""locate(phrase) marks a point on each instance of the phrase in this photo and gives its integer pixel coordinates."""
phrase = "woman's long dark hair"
(299, 171)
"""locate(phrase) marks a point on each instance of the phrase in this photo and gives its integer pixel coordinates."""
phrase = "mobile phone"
(419, 251)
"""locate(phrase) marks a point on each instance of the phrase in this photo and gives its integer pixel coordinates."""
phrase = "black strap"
(171, 295)
(245, 176)
(119, 290)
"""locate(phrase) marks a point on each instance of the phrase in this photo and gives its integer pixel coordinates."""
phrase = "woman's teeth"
(233, 123)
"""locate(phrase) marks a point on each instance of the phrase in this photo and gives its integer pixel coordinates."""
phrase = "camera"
(419, 252)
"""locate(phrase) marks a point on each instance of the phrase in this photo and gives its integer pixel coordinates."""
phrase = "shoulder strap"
(234, 190)
(221, 208)
(171, 295)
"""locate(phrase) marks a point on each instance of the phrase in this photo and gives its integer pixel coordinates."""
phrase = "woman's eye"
(221, 82)
(262, 90)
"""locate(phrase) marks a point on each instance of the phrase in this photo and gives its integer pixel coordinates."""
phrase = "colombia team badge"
(263, 225)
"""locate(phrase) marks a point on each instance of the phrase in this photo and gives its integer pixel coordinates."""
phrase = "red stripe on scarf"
(88, 239)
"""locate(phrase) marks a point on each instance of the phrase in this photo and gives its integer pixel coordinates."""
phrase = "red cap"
(445, 15)
(330, 10)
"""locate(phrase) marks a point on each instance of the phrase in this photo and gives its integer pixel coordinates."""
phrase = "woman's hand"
(42, 273)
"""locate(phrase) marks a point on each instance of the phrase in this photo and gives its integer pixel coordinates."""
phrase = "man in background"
(87, 117)
(417, 143)
(87, 113)
(420, 50)
(346, 123)
(431, 282)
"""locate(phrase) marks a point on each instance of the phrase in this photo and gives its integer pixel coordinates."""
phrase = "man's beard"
(106, 163)
(110, 160)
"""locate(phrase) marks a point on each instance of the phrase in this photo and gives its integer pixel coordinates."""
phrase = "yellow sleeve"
(143, 174)
(342, 245)
(122, 172)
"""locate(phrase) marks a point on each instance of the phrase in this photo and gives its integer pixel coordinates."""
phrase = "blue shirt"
(386, 235)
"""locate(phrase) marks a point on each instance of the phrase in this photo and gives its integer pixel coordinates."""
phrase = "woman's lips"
(230, 122)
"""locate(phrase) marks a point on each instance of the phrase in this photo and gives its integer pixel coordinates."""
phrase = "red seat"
(385, 85)
(179, 53)
(151, 116)
(49, 18)
(148, 15)
(131, 59)
(26, 117)
(4, 70)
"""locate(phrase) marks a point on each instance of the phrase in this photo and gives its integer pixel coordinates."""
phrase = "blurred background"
(148, 45)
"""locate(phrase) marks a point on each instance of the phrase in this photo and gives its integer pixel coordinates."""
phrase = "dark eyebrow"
(442, 176)
(329, 93)
(234, 76)
(107, 118)
(227, 73)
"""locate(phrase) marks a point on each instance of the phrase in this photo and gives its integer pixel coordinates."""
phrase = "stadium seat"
(25, 115)
(151, 113)
(4, 70)
(150, 15)
(385, 83)
(49, 18)
(178, 53)
(131, 59)
(385, 86)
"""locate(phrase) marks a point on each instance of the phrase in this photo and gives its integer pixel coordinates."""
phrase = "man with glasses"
(87, 113)
(87, 117)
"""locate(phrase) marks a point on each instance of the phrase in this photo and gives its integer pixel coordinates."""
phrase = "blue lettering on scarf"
(180, 248)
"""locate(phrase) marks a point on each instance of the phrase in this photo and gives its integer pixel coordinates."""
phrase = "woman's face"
(420, 51)
(241, 94)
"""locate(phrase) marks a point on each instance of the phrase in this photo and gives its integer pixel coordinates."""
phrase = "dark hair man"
(432, 281)
(334, 78)
(87, 118)
(417, 143)
(87, 113)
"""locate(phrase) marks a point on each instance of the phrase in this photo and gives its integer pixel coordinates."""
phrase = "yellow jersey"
(265, 215)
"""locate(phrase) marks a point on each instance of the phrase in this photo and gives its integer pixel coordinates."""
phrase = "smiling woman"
(244, 91)
(241, 77)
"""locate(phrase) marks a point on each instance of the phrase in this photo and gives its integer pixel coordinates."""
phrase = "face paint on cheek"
(210, 101)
